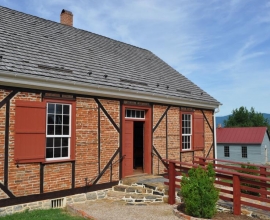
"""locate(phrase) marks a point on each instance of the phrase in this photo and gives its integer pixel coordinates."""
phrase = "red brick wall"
(208, 134)
(57, 176)
(159, 137)
(86, 140)
(109, 139)
(173, 131)
(3, 94)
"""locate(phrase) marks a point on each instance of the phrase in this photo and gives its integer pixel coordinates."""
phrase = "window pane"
(66, 109)
(65, 119)
(128, 113)
(50, 119)
(49, 152)
(57, 142)
(133, 114)
(49, 142)
(51, 108)
(58, 129)
(138, 114)
(64, 152)
(50, 129)
(57, 152)
(65, 130)
(142, 114)
(58, 109)
(58, 119)
(64, 142)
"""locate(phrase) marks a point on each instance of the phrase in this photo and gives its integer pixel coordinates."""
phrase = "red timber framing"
(127, 140)
(106, 169)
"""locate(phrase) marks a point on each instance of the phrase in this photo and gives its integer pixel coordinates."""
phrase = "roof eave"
(46, 83)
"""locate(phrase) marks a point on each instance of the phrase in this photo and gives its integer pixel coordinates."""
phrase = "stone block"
(47, 204)
(91, 196)
(79, 198)
(18, 208)
(119, 188)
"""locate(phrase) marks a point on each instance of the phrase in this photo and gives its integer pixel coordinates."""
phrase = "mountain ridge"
(220, 119)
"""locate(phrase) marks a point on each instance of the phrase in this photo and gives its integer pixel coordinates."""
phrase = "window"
(58, 130)
(244, 151)
(132, 113)
(226, 151)
(186, 131)
(45, 130)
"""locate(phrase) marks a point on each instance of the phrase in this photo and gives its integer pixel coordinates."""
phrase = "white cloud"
(223, 46)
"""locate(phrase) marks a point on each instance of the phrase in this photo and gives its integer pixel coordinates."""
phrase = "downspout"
(215, 132)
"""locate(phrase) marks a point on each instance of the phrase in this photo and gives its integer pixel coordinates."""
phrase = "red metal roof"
(244, 135)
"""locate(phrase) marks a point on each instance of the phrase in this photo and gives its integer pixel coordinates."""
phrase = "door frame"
(147, 148)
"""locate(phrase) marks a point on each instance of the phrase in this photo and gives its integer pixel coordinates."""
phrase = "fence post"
(236, 195)
(171, 199)
(263, 174)
(202, 161)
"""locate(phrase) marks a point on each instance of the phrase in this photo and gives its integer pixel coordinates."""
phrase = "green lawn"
(50, 214)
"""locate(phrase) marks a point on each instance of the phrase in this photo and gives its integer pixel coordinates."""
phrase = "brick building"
(80, 111)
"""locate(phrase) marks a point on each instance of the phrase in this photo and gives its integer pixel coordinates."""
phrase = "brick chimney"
(66, 17)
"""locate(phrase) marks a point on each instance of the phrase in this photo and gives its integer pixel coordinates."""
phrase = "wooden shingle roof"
(41, 48)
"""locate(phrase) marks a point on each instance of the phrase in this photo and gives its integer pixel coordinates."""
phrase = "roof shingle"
(28, 42)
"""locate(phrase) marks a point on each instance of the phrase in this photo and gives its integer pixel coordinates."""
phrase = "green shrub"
(249, 166)
(199, 193)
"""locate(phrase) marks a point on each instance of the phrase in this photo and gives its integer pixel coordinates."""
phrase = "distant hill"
(220, 119)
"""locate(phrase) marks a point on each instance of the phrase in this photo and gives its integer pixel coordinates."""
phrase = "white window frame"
(58, 136)
(186, 134)
(135, 111)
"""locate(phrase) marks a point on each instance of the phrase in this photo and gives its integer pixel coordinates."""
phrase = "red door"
(127, 165)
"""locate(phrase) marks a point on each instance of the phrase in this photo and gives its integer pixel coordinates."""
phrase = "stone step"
(133, 197)
(140, 189)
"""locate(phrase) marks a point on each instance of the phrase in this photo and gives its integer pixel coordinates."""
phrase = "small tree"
(242, 117)
(199, 193)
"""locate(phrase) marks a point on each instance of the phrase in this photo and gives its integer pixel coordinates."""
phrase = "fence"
(232, 180)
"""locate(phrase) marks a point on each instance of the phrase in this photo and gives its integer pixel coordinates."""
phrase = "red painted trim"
(29, 132)
(236, 195)
(147, 136)
(171, 199)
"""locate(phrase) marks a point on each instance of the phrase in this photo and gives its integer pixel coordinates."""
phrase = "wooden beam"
(107, 114)
(161, 118)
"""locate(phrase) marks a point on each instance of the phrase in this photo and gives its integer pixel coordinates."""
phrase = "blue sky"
(221, 45)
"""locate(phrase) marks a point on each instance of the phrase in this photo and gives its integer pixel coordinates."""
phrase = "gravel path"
(116, 210)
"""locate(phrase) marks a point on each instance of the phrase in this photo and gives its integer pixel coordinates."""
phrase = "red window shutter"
(198, 131)
(30, 128)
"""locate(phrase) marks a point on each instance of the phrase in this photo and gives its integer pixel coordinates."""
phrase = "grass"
(49, 214)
